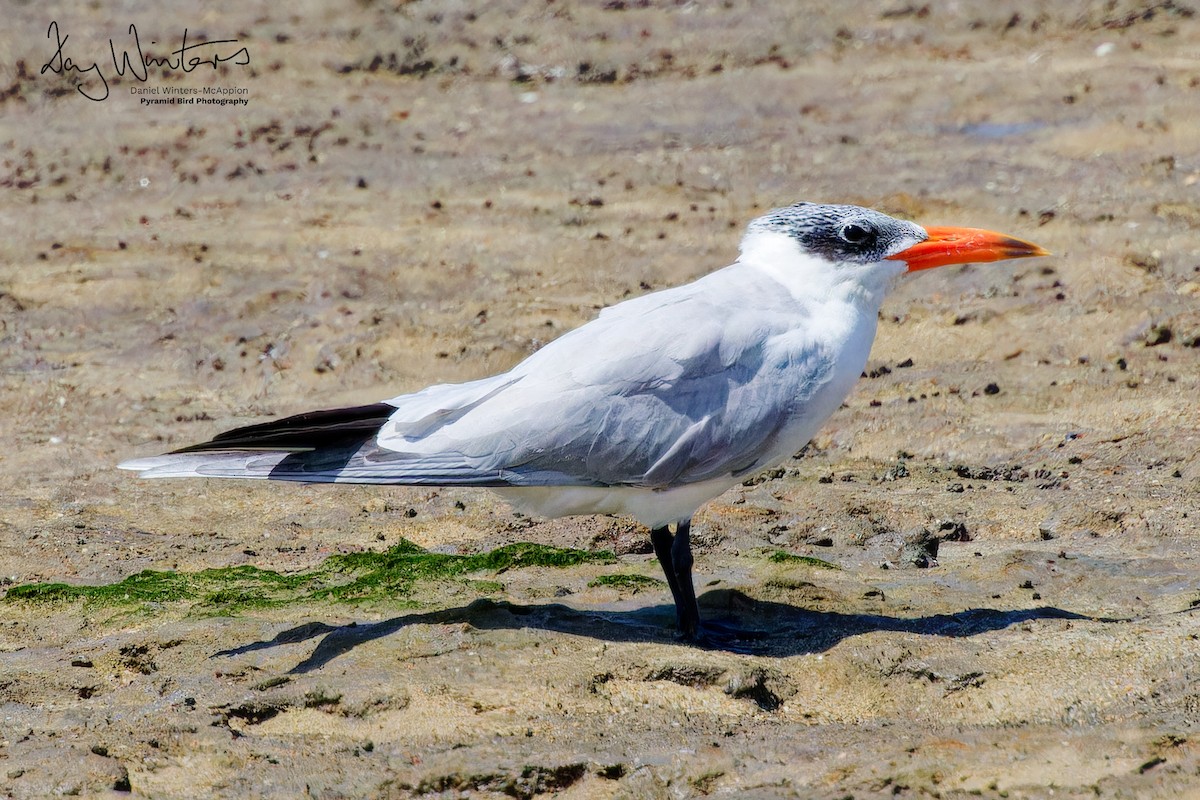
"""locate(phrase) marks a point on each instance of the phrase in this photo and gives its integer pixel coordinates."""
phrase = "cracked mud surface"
(417, 192)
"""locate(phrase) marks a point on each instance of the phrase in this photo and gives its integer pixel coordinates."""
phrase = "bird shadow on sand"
(782, 629)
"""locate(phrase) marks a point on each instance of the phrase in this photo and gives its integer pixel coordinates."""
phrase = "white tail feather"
(254, 465)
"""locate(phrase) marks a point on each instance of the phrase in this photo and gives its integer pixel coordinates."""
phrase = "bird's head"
(851, 235)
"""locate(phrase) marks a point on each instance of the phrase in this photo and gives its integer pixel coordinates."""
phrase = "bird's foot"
(714, 635)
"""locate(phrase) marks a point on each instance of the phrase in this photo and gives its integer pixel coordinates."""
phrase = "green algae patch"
(396, 570)
(145, 586)
(628, 582)
(387, 575)
(784, 557)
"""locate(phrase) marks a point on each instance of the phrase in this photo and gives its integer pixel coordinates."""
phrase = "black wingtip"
(335, 427)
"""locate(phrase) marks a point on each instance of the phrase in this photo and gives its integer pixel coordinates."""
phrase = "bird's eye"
(855, 234)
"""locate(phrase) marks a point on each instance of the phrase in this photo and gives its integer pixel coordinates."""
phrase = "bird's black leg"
(675, 555)
(685, 594)
(662, 540)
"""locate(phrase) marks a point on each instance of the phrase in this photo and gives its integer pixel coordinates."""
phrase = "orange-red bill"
(948, 245)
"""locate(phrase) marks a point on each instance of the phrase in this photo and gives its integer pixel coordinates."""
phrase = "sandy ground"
(421, 192)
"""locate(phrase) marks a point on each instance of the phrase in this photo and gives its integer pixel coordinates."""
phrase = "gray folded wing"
(671, 388)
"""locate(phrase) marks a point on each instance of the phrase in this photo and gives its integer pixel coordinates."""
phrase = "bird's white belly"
(653, 508)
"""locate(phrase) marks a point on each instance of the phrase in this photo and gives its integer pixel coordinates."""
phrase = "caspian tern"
(650, 410)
